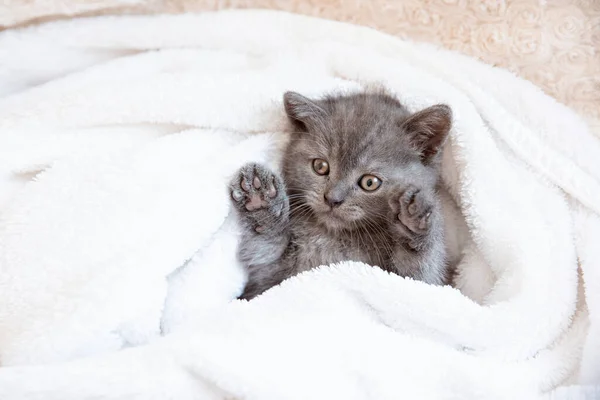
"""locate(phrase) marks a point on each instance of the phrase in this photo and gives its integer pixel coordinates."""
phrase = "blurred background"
(553, 43)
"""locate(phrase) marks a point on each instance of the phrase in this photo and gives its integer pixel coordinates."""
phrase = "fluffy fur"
(332, 215)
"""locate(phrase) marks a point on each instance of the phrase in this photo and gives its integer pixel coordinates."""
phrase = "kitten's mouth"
(332, 219)
(332, 213)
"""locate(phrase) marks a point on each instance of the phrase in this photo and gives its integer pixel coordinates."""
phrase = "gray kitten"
(359, 183)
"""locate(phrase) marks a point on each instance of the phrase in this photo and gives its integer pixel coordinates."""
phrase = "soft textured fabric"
(553, 43)
(116, 145)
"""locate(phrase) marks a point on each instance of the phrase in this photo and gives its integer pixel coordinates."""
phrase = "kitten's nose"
(333, 199)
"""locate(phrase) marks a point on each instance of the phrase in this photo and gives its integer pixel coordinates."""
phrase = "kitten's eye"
(321, 166)
(369, 182)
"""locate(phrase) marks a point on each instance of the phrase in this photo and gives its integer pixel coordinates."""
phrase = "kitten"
(359, 183)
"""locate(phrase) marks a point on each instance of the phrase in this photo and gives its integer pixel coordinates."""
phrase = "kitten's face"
(347, 156)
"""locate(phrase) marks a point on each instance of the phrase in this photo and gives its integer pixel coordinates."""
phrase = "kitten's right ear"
(304, 113)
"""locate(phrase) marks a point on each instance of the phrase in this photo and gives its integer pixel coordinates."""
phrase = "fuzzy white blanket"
(117, 136)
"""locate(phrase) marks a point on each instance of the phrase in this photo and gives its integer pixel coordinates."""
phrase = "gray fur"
(300, 220)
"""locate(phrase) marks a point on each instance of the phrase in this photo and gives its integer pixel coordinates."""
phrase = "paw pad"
(259, 196)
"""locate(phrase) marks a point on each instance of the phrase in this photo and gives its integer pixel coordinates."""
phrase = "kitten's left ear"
(428, 130)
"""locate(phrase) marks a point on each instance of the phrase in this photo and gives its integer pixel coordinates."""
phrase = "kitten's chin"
(332, 225)
(332, 222)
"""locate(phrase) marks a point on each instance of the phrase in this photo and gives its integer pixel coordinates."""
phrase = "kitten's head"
(348, 153)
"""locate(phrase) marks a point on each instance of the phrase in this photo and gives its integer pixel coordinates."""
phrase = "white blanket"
(117, 136)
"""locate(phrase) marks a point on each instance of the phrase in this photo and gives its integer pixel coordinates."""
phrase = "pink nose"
(333, 200)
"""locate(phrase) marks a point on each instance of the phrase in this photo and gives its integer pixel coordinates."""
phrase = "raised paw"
(412, 209)
(260, 197)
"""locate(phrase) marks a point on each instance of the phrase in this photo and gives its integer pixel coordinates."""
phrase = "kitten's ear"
(302, 111)
(428, 130)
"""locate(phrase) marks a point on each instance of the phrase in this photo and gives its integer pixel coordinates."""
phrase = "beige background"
(553, 43)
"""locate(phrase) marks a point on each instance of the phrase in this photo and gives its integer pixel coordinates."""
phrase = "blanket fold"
(117, 247)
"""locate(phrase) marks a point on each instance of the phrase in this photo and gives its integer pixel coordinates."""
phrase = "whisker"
(379, 230)
(301, 207)
(375, 245)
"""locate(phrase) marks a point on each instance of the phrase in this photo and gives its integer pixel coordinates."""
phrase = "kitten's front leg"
(261, 200)
(419, 232)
